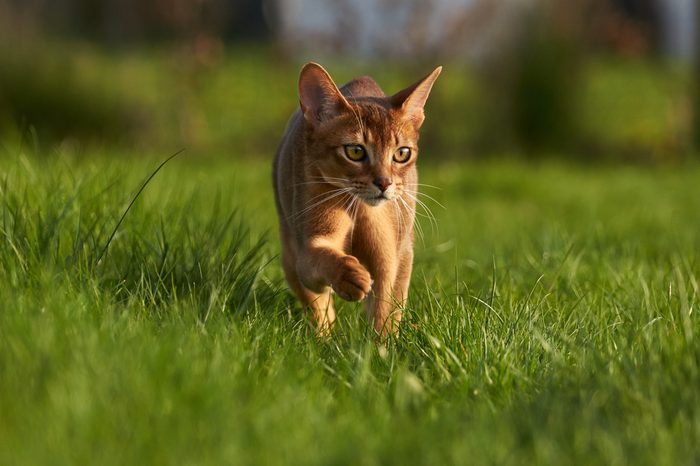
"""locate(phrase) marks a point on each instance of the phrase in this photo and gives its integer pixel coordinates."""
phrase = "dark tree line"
(127, 21)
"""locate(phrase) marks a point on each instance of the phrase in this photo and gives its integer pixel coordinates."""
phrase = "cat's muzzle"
(378, 199)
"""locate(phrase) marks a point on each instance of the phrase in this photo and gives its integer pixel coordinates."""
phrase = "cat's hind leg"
(322, 311)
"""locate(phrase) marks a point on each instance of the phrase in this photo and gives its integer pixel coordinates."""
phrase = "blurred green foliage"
(636, 110)
(533, 85)
(239, 101)
(58, 93)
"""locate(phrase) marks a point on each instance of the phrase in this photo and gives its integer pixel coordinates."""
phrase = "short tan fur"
(346, 185)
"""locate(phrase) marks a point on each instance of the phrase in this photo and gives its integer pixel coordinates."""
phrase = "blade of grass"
(148, 180)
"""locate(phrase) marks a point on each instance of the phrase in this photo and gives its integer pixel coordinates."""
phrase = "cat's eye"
(402, 155)
(355, 152)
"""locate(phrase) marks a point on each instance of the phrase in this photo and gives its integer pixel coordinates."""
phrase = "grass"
(552, 320)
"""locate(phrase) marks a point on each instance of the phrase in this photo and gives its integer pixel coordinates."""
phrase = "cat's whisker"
(322, 176)
(402, 221)
(341, 203)
(327, 179)
(426, 186)
(306, 183)
(354, 206)
(417, 226)
(330, 195)
(345, 203)
(438, 203)
(332, 191)
(421, 214)
(429, 213)
(334, 178)
(399, 216)
(348, 203)
(419, 193)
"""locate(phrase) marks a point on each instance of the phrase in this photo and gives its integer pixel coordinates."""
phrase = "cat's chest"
(376, 227)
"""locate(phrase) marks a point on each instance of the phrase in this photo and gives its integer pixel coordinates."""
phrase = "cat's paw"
(352, 281)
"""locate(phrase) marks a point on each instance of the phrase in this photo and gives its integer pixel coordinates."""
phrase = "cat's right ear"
(319, 97)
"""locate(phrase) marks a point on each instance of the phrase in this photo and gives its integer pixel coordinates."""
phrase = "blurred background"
(586, 80)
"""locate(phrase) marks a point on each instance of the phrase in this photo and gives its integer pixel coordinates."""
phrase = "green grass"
(552, 320)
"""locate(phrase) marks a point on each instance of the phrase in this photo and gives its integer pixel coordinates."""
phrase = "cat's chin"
(374, 201)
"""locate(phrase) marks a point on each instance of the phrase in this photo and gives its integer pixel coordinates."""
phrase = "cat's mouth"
(376, 199)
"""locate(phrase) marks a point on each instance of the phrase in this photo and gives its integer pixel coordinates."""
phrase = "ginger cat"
(345, 187)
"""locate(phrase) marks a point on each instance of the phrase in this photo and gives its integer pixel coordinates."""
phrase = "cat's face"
(371, 151)
(364, 146)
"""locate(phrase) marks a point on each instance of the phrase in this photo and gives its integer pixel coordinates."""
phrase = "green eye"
(355, 152)
(402, 155)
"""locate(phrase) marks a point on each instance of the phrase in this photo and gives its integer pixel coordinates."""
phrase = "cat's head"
(366, 144)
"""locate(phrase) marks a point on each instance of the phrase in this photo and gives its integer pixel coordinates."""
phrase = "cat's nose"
(382, 182)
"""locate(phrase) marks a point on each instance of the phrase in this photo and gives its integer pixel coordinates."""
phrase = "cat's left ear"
(412, 99)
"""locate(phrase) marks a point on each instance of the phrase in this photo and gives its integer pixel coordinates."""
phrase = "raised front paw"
(352, 281)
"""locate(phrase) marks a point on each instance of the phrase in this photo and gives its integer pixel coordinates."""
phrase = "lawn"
(552, 320)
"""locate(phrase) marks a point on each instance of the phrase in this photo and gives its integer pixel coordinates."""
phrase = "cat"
(345, 184)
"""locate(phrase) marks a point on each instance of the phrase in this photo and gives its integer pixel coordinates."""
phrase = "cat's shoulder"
(364, 86)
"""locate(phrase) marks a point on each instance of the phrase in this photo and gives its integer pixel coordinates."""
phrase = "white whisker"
(332, 191)
(399, 216)
(355, 205)
(428, 213)
(328, 178)
(330, 195)
(313, 182)
(415, 224)
(425, 185)
(431, 198)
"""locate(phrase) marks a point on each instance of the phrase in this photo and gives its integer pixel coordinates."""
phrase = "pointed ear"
(319, 97)
(412, 99)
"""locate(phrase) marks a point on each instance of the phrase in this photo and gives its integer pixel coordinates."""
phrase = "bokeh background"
(594, 81)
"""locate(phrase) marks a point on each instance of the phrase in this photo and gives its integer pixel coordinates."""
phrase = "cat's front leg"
(392, 275)
(326, 264)
(350, 279)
